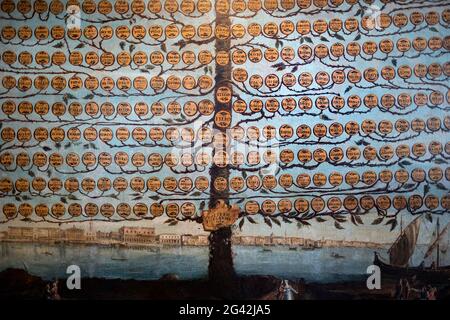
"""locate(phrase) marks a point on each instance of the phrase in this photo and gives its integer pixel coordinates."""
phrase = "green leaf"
(441, 186)
(404, 163)
(440, 161)
(72, 197)
(241, 223)
(340, 219)
(362, 142)
(409, 185)
(393, 222)
(286, 220)
(358, 219)
(59, 45)
(304, 222)
(378, 220)
(337, 225)
(251, 220)
(275, 220)
(268, 222)
(277, 44)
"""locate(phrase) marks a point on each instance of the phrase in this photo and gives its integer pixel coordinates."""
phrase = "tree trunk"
(221, 270)
(220, 267)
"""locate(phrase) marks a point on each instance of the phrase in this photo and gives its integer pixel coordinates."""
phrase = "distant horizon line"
(202, 234)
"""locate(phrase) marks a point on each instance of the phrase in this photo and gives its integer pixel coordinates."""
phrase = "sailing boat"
(266, 246)
(403, 248)
(436, 244)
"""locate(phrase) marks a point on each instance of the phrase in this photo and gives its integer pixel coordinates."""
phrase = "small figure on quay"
(431, 293)
(52, 291)
(402, 289)
(286, 291)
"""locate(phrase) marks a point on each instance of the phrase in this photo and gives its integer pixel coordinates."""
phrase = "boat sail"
(436, 242)
(403, 248)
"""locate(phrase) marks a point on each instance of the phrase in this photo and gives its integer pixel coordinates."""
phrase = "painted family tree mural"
(226, 113)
